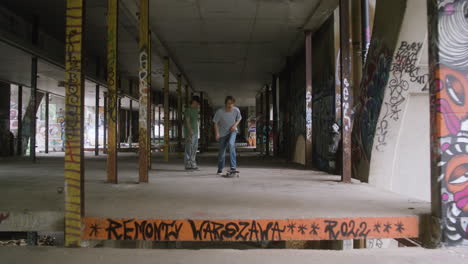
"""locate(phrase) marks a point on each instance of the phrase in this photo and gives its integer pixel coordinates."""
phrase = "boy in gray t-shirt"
(225, 121)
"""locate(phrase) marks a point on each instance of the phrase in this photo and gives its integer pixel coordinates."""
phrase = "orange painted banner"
(250, 230)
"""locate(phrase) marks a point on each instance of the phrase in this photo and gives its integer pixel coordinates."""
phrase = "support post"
(308, 103)
(112, 107)
(274, 91)
(448, 71)
(202, 121)
(365, 29)
(104, 135)
(144, 61)
(179, 113)
(166, 109)
(119, 123)
(46, 132)
(20, 121)
(130, 125)
(261, 123)
(159, 124)
(267, 120)
(346, 90)
(187, 96)
(96, 123)
(149, 119)
(32, 144)
(74, 109)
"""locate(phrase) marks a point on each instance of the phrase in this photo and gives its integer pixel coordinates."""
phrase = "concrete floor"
(266, 189)
(117, 256)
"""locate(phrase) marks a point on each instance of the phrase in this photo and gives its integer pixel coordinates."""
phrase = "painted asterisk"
(291, 227)
(377, 227)
(314, 229)
(94, 230)
(400, 227)
(302, 229)
(387, 228)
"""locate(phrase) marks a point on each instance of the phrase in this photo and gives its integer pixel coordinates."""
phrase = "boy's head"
(195, 101)
(229, 101)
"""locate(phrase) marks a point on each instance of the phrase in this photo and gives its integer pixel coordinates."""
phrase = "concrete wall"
(376, 74)
(400, 151)
(323, 95)
(292, 109)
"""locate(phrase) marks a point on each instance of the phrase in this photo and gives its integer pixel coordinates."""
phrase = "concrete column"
(166, 109)
(308, 97)
(179, 114)
(130, 125)
(104, 135)
(159, 123)
(149, 119)
(346, 89)
(202, 121)
(46, 122)
(74, 117)
(274, 92)
(19, 147)
(267, 120)
(144, 61)
(32, 145)
(112, 104)
(365, 29)
(356, 46)
(5, 119)
(448, 71)
(96, 123)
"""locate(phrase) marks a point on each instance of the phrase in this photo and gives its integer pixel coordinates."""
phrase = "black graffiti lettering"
(330, 229)
(264, 233)
(230, 230)
(149, 231)
(241, 234)
(127, 229)
(277, 231)
(197, 232)
(364, 231)
(171, 230)
(140, 229)
(253, 231)
(216, 230)
(112, 230)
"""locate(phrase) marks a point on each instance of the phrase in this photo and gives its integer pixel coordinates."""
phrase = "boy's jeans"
(191, 147)
(230, 140)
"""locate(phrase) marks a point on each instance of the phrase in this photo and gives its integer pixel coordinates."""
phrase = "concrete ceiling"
(221, 46)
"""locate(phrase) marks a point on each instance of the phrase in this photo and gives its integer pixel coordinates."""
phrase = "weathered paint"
(346, 89)
(448, 59)
(250, 230)
(74, 102)
(112, 107)
(166, 109)
(143, 75)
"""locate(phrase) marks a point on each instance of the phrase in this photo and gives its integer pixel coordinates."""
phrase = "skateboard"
(231, 174)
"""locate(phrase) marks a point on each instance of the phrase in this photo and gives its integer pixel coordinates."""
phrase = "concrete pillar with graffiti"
(448, 70)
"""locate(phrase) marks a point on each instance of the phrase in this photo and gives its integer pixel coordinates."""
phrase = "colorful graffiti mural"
(449, 114)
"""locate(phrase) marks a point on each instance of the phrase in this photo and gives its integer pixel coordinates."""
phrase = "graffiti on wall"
(404, 73)
(249, 230)
(449, 95)
(368, 107)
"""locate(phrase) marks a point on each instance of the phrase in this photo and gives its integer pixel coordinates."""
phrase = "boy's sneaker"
(219, 173)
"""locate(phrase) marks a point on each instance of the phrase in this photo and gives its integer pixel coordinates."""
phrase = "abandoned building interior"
(354, 129)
